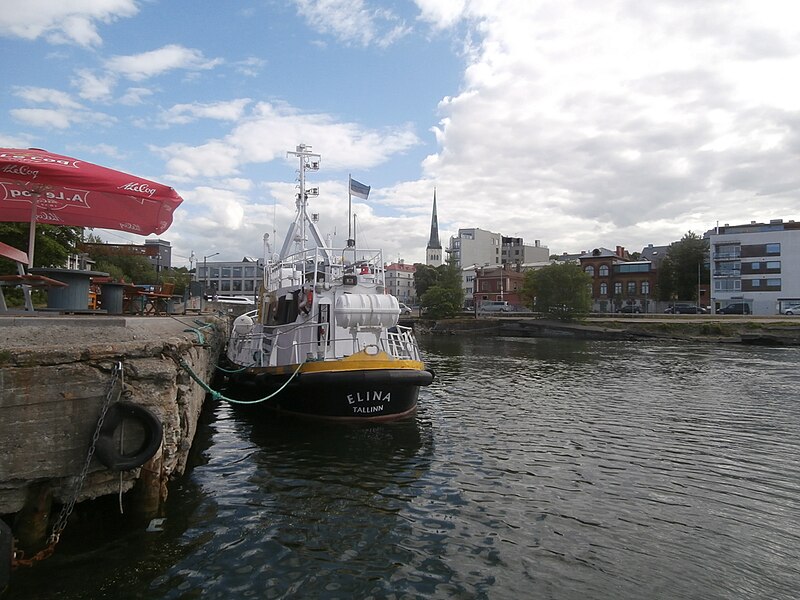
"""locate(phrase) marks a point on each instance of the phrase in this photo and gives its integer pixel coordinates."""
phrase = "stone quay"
(57, 373)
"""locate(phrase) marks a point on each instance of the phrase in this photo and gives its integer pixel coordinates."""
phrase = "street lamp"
(205, 269)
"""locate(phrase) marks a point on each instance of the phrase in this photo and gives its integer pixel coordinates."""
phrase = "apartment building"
(515, 251)
(756, 264)
(400, 282)
(475, 246)
(617, 280)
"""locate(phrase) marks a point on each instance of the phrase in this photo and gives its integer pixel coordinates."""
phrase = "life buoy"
(305, 301)
(107, 447)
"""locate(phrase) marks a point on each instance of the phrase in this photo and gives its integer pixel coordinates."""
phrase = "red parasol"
(39, 186)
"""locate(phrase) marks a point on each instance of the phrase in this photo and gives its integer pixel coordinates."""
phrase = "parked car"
(794, 309)
(404, 310)
(630, 308)
(495, 306)
(735, 308)
(685, 309)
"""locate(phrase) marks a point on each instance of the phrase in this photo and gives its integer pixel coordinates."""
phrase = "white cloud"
(441, 13)
(92, 86)
(351, 21)
(47, 96)
(599, 123)
(138, 67)
(61, 22)
(135, 95)
(180, 114)
(250, 67)
(64, 112)
(16, 141)
(269, 130)
(43, 117)
(209, 160)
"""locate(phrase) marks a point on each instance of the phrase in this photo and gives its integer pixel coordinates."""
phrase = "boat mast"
(308, 160)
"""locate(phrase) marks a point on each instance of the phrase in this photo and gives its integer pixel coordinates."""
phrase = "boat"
(324, 340)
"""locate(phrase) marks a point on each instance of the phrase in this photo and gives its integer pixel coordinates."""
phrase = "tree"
(52, 246)
(684, 268)
(424, 277)
(558, 290)
(133, 269)
(445, 297)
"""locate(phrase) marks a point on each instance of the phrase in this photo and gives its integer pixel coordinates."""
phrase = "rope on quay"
(219, 396)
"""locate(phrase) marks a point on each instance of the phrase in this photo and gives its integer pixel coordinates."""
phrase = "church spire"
(433, 253)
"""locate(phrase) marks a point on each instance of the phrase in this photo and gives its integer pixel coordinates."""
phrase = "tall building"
(756, 264)
(433, 252)
(476, 246)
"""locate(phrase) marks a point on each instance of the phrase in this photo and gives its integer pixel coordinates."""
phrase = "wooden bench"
(23, 279)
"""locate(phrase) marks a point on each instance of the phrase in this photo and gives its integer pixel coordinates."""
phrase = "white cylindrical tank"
(367, 310)
(242, 324)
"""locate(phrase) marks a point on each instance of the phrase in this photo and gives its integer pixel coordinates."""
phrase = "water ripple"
(534, 468)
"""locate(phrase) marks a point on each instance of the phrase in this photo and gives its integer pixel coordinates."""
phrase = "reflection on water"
(534, 468)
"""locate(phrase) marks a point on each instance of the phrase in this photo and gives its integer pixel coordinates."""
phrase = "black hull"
(372, 395)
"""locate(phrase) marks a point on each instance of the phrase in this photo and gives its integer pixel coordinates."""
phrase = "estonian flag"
(359, 190)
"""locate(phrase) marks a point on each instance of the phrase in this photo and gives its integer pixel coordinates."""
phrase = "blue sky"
(580, 124)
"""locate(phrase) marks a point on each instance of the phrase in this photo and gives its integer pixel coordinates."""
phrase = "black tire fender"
(107, 450)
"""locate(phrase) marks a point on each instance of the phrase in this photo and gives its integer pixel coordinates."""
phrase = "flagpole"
(350, 240)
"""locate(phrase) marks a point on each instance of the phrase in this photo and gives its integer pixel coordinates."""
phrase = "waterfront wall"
(55, 375)
(708, 328)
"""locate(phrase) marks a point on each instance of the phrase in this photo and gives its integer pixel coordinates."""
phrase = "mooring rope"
(219, 396)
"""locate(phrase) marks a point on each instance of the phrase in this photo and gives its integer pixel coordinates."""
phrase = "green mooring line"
(218, 396)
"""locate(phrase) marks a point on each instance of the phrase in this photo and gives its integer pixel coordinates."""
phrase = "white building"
(476, 246)
(400, 282)
(758, 264)
(240, 278)
(468, 275)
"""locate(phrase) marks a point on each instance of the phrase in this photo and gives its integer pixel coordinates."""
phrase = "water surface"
(534, 468)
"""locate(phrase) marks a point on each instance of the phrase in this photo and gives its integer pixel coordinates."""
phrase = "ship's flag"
(359, 190)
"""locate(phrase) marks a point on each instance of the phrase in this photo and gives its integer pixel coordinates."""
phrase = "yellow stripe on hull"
(360, 361)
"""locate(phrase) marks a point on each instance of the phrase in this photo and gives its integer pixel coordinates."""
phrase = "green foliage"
(52, 246)
(558, 290)
(442, 303)
(180, 276)
(424, 277)
(443, 296)
(133, 269)
(685, 261)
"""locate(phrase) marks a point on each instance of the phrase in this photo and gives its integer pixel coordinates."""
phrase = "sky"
(578, 123)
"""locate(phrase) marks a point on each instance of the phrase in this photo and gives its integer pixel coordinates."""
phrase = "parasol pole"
(32, 229)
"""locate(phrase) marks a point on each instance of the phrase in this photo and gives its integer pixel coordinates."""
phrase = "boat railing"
(402, 344)
(305, 345)
(320, 265)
